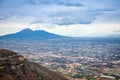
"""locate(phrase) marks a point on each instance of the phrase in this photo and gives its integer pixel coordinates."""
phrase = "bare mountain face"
(16, 67)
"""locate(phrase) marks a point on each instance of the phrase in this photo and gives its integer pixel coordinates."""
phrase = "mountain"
(115, 36)
(29, 34)
(15, 67)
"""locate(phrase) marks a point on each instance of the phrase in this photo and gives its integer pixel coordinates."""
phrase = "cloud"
(117, 31)
(55, 2)
(91, 30)
(60, 12)
(69, 17)
(6, 16)
(50, 14)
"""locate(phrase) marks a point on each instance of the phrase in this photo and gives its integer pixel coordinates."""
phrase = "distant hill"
(30, 34)
(115, 36)
(16, 67)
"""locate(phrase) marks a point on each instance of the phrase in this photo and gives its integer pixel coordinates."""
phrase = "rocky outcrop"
(16, 67)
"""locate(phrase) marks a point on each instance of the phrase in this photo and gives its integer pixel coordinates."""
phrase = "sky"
(76, 18)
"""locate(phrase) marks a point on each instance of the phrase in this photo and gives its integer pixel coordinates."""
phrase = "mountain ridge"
(30, 34)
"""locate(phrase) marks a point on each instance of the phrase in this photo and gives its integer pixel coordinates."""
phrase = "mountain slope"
(16, 67)
(29, 34)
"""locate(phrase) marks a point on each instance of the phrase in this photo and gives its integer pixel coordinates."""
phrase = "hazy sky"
(81, 18)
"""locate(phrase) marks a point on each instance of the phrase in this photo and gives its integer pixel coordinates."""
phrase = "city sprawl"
(76, 59)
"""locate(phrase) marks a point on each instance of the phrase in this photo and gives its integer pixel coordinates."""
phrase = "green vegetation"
(1, 72)
(11, 71)
(17, 77)
(78, 76)
(63, 66)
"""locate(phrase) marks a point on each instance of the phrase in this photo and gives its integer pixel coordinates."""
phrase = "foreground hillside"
(16, 67)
